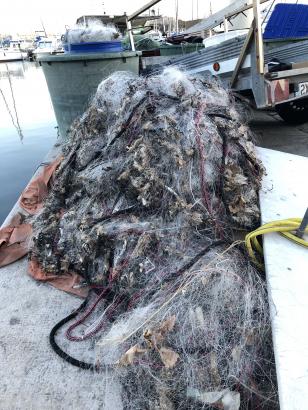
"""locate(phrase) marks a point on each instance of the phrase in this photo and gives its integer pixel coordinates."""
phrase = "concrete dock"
(32, 375)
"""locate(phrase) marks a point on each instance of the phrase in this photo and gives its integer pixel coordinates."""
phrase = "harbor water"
(27, 128)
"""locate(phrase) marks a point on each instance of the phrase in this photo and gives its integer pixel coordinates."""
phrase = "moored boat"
(12, 52)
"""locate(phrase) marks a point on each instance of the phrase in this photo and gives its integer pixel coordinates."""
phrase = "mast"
(176, 16)
(43, 28)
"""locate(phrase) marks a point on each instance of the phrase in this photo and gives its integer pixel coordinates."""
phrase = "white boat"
(155, 35)
(12, 52)
(46, 46)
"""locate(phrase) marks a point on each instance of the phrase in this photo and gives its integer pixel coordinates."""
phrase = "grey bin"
(72, 80)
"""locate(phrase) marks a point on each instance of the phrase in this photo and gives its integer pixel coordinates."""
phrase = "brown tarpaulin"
(69, 282)
(15, 237)
(14, 240)
(31, 200)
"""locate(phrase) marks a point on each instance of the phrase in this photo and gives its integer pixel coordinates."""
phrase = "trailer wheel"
(294, 112)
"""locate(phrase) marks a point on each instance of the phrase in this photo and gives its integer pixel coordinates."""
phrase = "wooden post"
(243, 54)
(258, 37)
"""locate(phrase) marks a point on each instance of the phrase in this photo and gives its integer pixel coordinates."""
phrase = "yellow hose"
(285, 227)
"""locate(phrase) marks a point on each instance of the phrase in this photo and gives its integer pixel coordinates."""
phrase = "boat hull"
(7, 56)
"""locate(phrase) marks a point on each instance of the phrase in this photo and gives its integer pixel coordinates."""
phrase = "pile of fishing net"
(156, 175)
(94, 31)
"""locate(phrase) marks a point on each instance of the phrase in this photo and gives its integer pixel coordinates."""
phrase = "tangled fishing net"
(94, 31)
(156, 175)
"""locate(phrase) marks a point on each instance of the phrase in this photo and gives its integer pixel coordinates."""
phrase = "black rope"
(199, 255)
(194, 260)
(130, 117)
(220, 115)
(57, 349)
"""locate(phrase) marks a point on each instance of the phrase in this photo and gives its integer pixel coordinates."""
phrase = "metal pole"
(43, 28)
(142, 9)
(133, 16)
(192, 10)
(226, 28)
(130, 34)
(176, 16)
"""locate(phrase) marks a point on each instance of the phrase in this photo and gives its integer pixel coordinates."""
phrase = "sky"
(25, 16)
